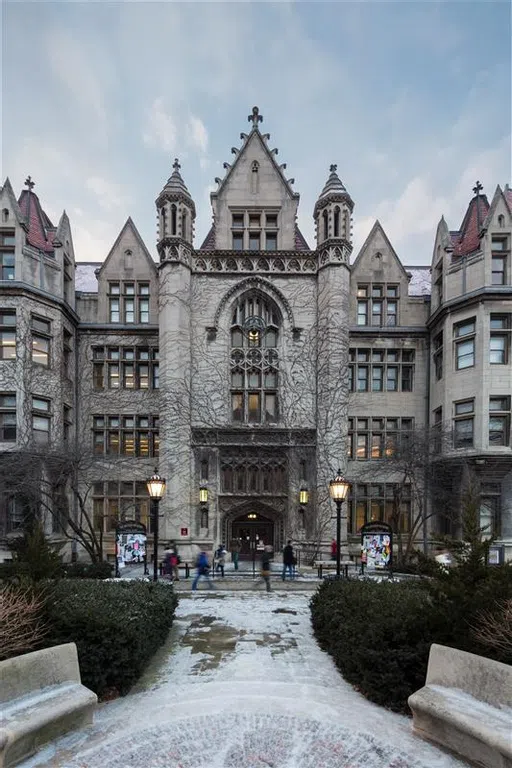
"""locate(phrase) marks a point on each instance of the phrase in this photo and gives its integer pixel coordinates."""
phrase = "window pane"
(271, 241)
(254, 241)
(238, 242)
(129, 310)
(237, 379)
(40, 405)
(464, 433)
(143, 310)
(377, 378)
(465, 354)
(114, 310)
(464, 328)
(464, 407)
(237, 339)
(113, 376)
(362, 313)
(254, 407)
(361, 446)
(392, 379)
(271, 339)
(497, 350)
(270, 407)
(270, 379)
(40, 350)
(254, 379)
(362, 378)
(498, 404)
(237, 406)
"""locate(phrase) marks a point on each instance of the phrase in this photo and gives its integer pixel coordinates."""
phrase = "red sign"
(184, 531)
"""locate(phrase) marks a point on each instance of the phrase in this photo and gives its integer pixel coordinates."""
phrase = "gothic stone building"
(255, 365)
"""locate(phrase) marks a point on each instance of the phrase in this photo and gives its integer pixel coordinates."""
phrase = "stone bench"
(466, 705)
(41, 698)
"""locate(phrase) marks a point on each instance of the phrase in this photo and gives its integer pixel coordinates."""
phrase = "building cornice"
(16, 287)
(120, 329)
(486, 293)
(394, 330)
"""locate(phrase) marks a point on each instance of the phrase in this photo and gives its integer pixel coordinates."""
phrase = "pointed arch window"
(173, 219)
(184, 225)
(255, 182)
(255, 327)
(326, 225)
(337, 221)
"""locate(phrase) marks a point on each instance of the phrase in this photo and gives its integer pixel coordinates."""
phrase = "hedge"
(102, 570)
(16, 570)
(379, 633)
(117, 627)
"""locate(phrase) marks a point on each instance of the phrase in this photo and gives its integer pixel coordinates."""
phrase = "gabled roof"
(377, 227)
(508, 196)
(129, 225)
(7, 188)
(209, 241)
(248, 139)
(41, 231)
(467, 239)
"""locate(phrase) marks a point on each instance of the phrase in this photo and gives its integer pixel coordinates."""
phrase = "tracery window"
(254, 360)
(259, 474)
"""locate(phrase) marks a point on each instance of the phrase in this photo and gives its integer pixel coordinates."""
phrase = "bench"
(41, 698)
(466, 706)
(330, 565)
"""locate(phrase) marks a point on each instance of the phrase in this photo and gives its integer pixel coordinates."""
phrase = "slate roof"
(420, 282)
(41, 231)
(85, 278)
(508, 196)
(467, 239)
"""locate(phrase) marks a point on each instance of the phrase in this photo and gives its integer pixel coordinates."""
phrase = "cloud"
(197, 134)
(160, 131)
(108, 194)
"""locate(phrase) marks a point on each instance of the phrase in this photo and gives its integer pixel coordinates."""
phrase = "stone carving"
(231, 261)
(260, 284)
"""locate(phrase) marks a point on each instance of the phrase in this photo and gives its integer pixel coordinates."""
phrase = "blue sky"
(411, 100)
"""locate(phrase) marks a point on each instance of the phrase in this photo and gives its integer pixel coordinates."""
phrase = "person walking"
(203, 569)
(175, 561)
(288, 561)
(167, 564)
(266, 567)
(235, 547)
(334, 549)
(220, 557)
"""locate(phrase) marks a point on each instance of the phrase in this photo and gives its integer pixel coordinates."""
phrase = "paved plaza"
(241, 683)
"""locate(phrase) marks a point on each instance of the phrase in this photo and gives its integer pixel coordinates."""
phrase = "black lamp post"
(338, 490)
(156, 489)
(203, 502)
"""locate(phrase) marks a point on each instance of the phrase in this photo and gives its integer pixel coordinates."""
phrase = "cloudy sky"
(410, 99)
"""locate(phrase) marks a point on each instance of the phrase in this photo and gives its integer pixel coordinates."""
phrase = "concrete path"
(241, 683)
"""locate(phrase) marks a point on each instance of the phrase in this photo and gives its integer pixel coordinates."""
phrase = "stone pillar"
(176, 459)
(332, 383)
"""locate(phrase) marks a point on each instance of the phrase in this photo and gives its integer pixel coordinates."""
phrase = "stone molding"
(260, 284)
(253, 436)
(247, 262)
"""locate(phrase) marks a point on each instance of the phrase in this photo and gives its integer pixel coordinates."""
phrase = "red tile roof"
(40, 229)
(467, 239)
(300, 241)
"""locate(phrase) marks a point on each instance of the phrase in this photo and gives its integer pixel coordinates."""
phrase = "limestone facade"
(254, 365)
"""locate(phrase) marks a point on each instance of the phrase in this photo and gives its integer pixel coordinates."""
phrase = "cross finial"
(333, 168)
(176, 165)
(255, 118)
(477, 188)
(29, 183)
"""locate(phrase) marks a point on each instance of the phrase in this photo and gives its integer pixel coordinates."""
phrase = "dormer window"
(254, 230)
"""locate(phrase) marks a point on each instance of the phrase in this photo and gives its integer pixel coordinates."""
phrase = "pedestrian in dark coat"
(288, 561)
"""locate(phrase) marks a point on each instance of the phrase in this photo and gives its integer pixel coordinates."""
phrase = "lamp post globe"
(338, 491)
(156, 490)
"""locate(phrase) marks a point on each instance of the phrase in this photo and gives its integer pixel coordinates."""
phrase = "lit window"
(7, 334)
(41, 330)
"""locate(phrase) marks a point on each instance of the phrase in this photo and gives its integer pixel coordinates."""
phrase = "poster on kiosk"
(377, 546)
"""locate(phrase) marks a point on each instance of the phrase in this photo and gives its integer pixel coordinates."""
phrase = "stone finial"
(234, 151)
(477, 188)
(255, 117)
(29, 183)
(176, 165)
(226, 166)
(333, 168)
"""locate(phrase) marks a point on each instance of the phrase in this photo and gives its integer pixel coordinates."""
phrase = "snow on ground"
(241, 683)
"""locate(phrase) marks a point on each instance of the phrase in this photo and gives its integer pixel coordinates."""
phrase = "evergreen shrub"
(102, 570)
(379, 633)
(117, 627)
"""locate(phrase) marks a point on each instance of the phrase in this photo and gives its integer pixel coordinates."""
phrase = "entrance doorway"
(254, 532)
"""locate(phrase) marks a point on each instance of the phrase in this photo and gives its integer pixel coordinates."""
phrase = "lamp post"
(156, 489)
(203, 505)
(338, 490)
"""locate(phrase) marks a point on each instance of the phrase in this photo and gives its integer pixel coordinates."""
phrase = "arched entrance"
(254, 531)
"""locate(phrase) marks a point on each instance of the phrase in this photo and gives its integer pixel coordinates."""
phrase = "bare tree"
(21, 626)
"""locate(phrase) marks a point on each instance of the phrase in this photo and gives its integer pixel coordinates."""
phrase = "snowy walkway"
(241, 683)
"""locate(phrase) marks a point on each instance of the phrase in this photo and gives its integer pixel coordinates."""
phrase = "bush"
(21, 627)
(117, 627)
(102, 570)
(379, 635)
(37, 557)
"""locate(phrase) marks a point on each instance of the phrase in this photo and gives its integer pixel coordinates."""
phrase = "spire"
(333, 185)
(477, 189)
(175, 188)
(334, 191)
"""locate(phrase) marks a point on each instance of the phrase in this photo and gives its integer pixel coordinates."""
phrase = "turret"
(333, 212)
(176, 213)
